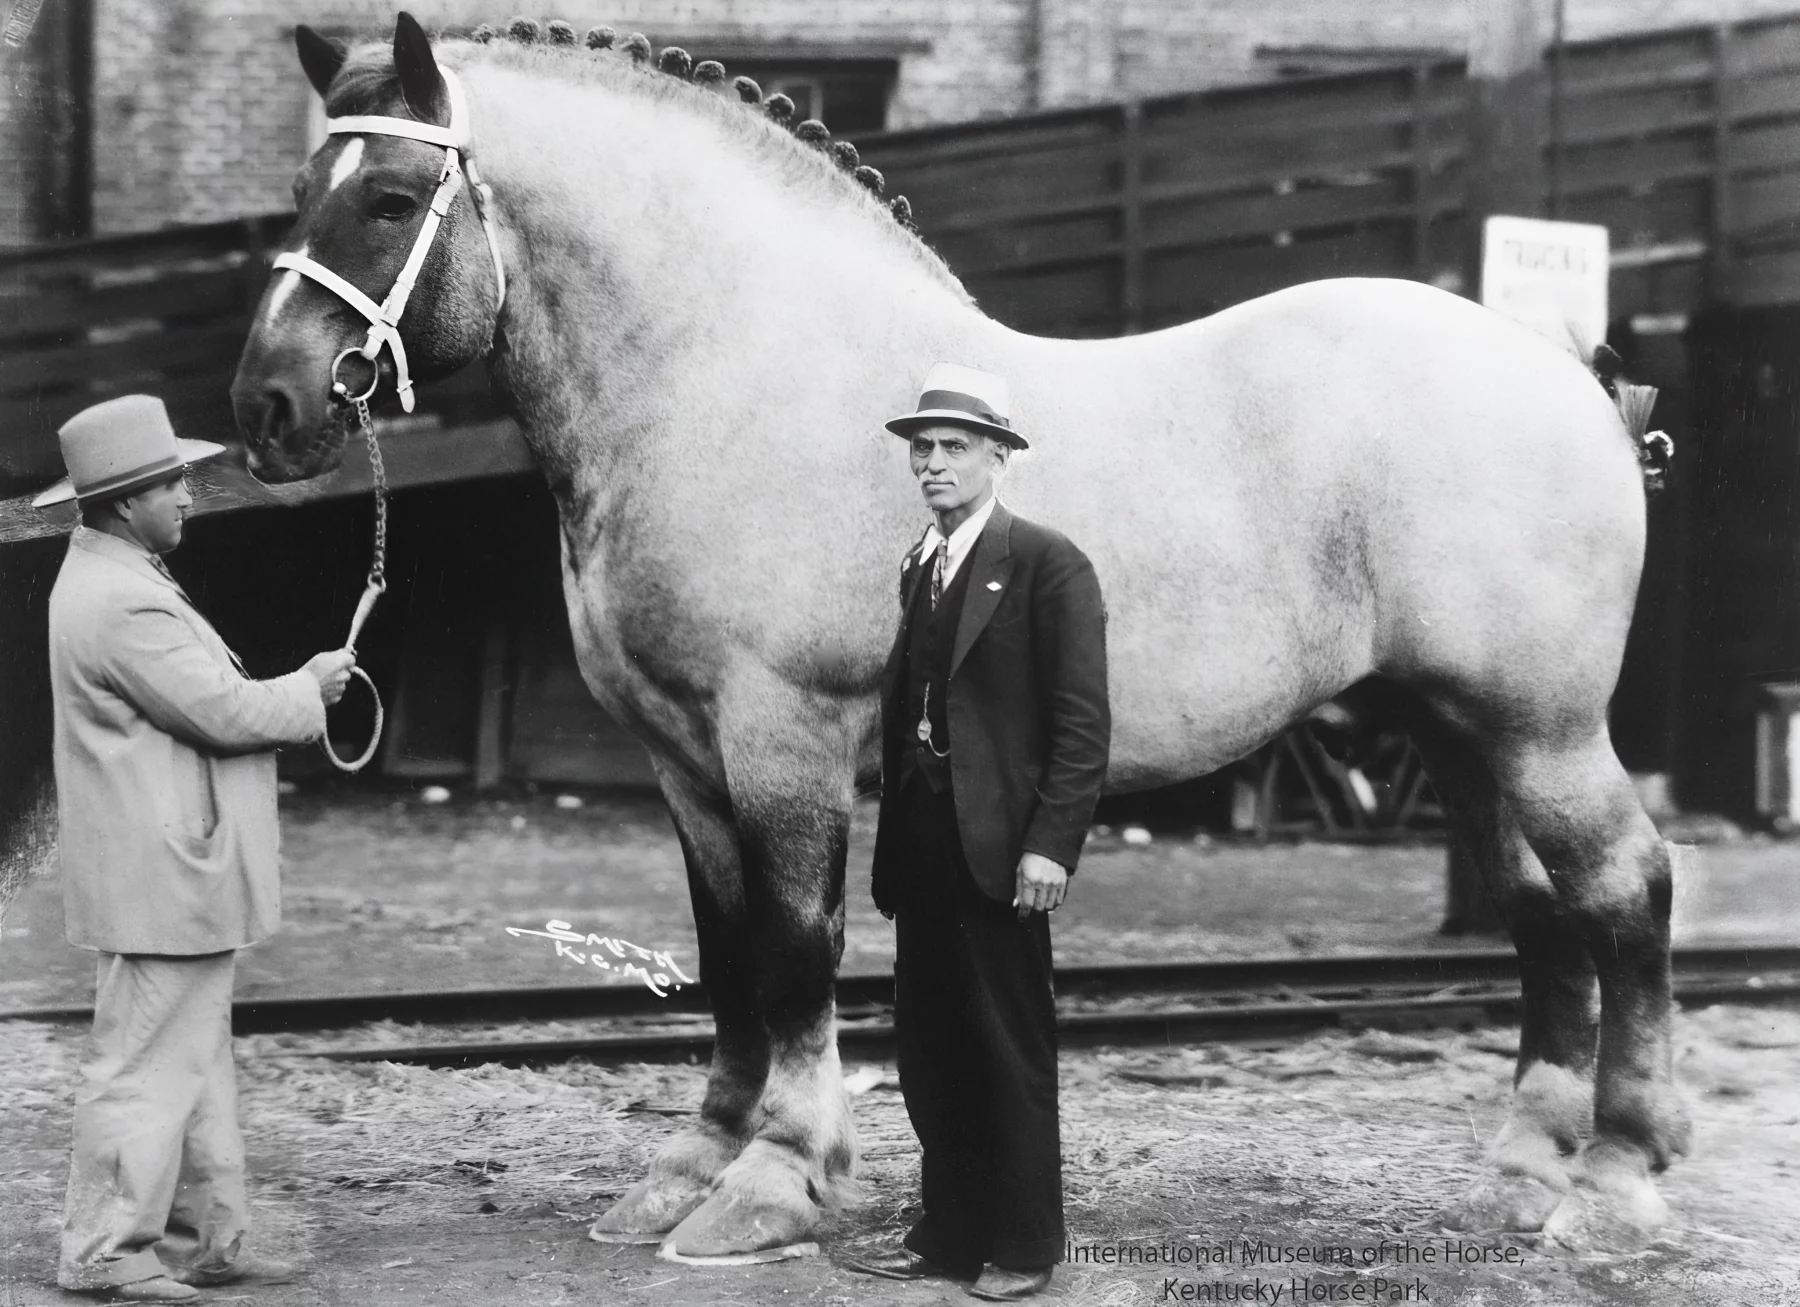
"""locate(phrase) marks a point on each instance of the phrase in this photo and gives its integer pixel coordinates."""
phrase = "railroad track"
(1140, 1004)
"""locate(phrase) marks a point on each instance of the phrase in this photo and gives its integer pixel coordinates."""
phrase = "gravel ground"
(394, 1185)
(397, 1185)
(384, 892)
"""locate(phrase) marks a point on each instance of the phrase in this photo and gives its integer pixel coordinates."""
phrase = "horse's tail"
(1655, 451)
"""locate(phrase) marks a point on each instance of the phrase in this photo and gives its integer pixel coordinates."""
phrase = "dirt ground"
(384, 892)
(395, 1185)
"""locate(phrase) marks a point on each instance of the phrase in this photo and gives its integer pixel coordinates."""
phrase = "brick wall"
(200, 111)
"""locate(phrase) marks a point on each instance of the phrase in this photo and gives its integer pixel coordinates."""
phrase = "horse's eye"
(393, 206)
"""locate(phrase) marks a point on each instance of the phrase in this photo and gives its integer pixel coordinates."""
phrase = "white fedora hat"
(119, 447)
(962, 397)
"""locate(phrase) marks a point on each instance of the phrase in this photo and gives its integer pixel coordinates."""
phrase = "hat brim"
(906, 424)
(192, 451)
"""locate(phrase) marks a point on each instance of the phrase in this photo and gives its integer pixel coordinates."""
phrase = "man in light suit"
(165, 777)
(995, 729)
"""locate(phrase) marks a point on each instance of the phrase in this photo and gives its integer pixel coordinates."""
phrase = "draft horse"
(700, 317)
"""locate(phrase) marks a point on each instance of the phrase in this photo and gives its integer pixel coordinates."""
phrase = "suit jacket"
(164, 776)
(1026, 708)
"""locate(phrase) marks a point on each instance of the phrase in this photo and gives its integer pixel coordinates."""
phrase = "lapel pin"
(993, 585)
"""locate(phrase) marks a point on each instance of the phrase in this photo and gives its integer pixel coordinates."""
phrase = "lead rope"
(377, 582)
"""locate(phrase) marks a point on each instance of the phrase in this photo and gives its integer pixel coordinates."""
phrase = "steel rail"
(1179, 1004)
(1222, 983)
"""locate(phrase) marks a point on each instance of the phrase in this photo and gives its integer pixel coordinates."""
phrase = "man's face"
(955, 467)
(155, 515)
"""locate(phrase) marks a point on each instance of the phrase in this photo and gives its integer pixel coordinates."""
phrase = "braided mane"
(804, 150)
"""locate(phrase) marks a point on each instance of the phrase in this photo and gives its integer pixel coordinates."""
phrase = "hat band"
(956, 399)
(168, 465)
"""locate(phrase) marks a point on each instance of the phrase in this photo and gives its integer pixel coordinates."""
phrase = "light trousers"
(156, 1173)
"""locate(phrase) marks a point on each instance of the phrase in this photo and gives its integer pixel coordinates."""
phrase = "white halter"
(384, 318)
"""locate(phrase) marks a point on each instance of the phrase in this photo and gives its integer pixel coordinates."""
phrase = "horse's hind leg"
(790, 794)
(1526, 1172)
(688, 1166)
(1610, 871)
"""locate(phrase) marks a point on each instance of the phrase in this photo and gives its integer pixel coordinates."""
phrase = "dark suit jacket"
(1027, 712)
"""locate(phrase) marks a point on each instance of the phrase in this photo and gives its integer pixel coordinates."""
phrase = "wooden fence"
(1096, 221)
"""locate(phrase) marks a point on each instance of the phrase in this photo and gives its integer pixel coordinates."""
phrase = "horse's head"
(364, 200)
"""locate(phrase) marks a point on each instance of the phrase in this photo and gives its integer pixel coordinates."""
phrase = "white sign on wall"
(1551, 276)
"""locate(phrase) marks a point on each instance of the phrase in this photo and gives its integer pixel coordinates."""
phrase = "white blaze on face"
(347, 162)
(286, 283)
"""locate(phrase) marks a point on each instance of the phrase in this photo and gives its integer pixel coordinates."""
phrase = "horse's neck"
(663, 274)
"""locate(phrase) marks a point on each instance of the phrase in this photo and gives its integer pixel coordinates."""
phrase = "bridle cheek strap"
(384, 318)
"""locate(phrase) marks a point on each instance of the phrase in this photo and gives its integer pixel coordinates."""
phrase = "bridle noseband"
(384, 318)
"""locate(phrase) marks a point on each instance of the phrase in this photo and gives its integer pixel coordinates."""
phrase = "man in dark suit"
(994, 742)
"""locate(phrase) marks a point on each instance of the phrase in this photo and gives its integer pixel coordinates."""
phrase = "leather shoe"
(896, 1264)
(997, 1284)
(158, 1288)
(261, 1269)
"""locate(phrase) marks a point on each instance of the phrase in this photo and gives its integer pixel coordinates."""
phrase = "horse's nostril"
(278, 415)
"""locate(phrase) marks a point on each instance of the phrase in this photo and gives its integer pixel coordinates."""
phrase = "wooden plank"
(414, 458)
(1361, 100)
(1039, 245)
(1034, 301)
(1216, 220)
(1212, 279)
(901, 155)
(1764, 279)
(160, 351)
(176, 244)
(1765, 97)
(1764, 48)
(1641, 57)
(1623, 165)
(1765, 205)
(1628, 117)
(71, 313)
(1328, 145)
(962, 197)
(1766, 148)
(1690, 71)
(1666, 216)
(1673, 287)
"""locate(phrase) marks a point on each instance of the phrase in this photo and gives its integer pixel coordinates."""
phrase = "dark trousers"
(975, 1017)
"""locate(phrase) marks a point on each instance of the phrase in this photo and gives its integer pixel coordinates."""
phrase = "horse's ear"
(319, 57)
(420, 81)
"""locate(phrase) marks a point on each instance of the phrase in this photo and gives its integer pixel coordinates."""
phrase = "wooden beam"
(1508, 119)
(1131, 218)
(415, 457)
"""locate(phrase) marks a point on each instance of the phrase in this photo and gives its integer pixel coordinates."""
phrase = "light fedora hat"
(118, 447)
(962, 397)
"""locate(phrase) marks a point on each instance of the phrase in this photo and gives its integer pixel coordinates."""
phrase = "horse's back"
(1347, 477)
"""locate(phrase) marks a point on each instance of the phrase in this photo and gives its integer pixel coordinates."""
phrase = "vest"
(930, 640)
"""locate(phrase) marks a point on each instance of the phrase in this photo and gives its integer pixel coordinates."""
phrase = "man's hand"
(1040, 885)
(332, 671)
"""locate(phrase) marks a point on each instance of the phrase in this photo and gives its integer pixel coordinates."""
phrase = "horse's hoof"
(762, 1203)
(1613, 1208)
(650, 1209)
(1504, 1200)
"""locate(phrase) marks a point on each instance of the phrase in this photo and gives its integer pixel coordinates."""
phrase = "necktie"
(937, 573)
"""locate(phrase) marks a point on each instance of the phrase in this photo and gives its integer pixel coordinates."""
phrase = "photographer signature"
(609, 954)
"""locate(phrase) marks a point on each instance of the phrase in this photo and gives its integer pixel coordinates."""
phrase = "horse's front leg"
(689, 1165)
(790, 765)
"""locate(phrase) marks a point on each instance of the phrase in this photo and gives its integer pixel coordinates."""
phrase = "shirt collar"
(962, 539)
